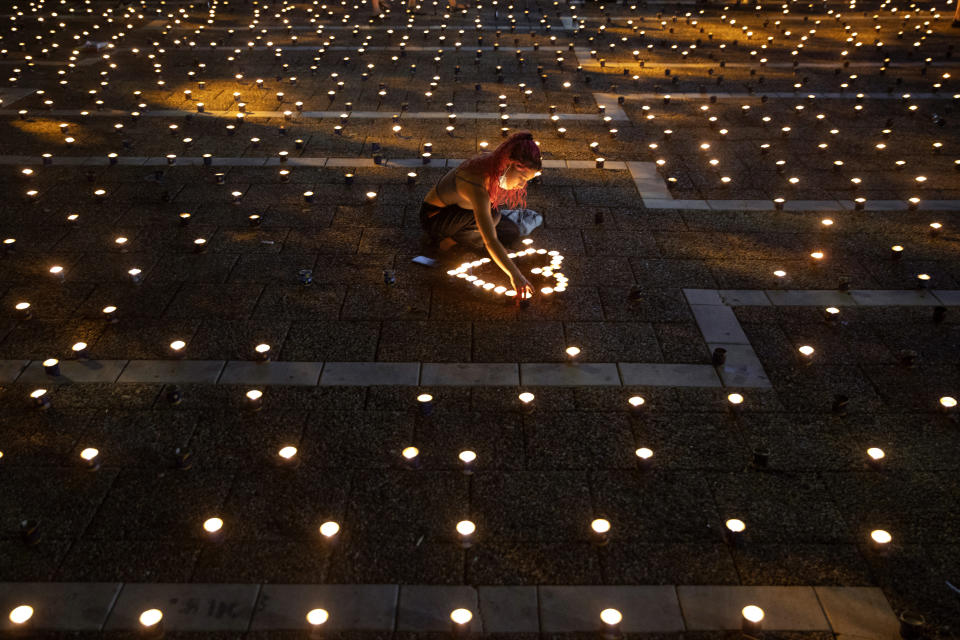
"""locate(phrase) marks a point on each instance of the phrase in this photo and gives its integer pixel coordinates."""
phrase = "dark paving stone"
(633, 563)
(164, 505)
(579, 440)
(63, 511)
(613, 341)
(496, 438)
(511, 563)
(910, 505)
(331, 341)
(781, 508)
(216, 301)
(530, 506)
(802, 564)
(425, 341)
(128, 561)
(518, 342)
(654, 507)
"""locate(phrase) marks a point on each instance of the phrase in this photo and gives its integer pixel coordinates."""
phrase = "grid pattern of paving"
(715, 177)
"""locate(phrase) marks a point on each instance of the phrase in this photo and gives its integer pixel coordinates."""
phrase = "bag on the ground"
(526, 219)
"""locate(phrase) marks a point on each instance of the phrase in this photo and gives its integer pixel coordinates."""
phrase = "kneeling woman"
(457, 211)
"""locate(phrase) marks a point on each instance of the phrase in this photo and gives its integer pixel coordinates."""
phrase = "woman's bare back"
(452, 187)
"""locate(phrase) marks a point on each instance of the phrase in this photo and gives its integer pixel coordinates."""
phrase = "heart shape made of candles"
(542, 272)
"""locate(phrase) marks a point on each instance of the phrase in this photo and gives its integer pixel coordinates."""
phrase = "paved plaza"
(227, 393)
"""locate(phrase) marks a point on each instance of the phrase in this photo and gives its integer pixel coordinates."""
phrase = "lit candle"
(526, 401)
(461, 620)
(51, 366)
(214, 528)
(601, 531)
(611, 619)
(316, 618)
(40, 399)
(734, 531)
(91, 458)
(880, 540)
(425, 402)
(254, 399)
(875, 456)
(329, 529)
(466, 529)
(151, 622)
(21, 615)
(752, 619)
(411, 457)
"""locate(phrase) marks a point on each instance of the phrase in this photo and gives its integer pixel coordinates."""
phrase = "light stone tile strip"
(742, 368)
(612, 104)
(641, 374)
(470, 374)
(861, 612)
(650, 184)
(170, 371)
(354, 607)
(291, 373)
(428, 607)
(74, 371)
(509, 609)
(562, 374)
(720, 329)
(62, 606)
(710, 608)
(718, 323)
(10, 370)
(370, 373)
(857, 611)
(187, 606)
(577, 608)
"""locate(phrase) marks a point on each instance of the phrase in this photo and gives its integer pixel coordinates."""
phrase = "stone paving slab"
(742, 367)
(809, 298)
(668, 375)
(710, 608)
(743, 298)
(186, 607)
(67, 606)
(648, 181)
(561, 374)
(469, 374)
(428, 607)
(861, 612)
(741, 205)
(11, 369)
(895, 298)
(75, 371)
(948, 298)
(613, 108)
(359, 607)
(10, 95)
(294, 373)
(172, 371)
(509, 609)
(371, 373)
(703, 296)
(718, 323)
(565, 609)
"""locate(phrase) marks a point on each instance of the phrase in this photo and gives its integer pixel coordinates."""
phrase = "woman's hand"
(521, 285)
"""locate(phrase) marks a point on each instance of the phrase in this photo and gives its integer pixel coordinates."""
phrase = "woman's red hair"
(519, 148)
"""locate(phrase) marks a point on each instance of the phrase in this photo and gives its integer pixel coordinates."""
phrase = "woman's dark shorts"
(453, 222)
